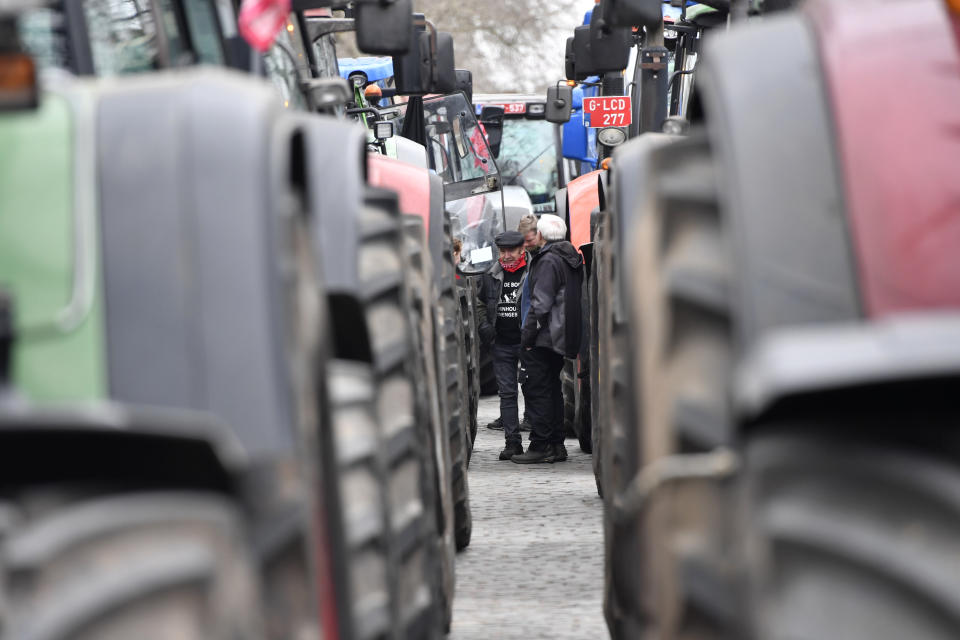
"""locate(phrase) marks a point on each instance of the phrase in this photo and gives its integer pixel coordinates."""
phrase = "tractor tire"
(680, 351)
(582, 422)
(384, 461)
(568, 385)
(596, 392)
(452, 364)
(148, 565)
(422, 303)
(488, 379)
(850, 536)
(467, 295)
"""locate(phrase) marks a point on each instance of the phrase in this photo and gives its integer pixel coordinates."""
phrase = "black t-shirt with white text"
(508, 308)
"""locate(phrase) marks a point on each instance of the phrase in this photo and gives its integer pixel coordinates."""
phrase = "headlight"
(675, 126)
(611, 136)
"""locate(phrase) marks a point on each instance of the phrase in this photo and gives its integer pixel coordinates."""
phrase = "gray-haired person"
(551, 332)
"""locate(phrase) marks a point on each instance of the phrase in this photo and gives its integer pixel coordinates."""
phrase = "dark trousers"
(543, 393)
(506, 358)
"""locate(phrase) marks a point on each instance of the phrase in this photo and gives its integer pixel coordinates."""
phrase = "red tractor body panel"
(583, 196)
(894, 87)
(411, 183)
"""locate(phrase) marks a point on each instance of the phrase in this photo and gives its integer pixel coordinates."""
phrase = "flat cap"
(509, 239)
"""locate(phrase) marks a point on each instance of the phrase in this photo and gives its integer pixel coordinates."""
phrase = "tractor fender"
(411, 183)
(336, 156)
(903, 236)
(198, 189)
(778, 179)
(583, 196)
(890, 360)
(118, 445)
(421, 194)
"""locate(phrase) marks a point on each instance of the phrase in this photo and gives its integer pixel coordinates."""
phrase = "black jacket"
(555, 280)
(489, 295)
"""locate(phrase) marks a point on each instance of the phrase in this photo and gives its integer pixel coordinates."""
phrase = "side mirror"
(583, 62)
(559, 101)
(609, 45)
(569, 61)
(465, 83)
(444, 73)
(633, 13)
(407, 67)
(427, 67)
(491, 117)
(384, 26)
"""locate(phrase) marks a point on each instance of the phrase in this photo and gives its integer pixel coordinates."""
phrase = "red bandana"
(519, 264)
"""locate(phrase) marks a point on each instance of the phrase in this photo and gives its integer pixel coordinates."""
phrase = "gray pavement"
(534, 567)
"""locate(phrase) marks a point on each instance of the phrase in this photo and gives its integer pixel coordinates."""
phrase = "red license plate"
(607, 111)
(512, 108)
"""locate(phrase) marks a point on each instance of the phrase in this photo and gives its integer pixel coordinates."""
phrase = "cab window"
(287, 65)
(124, 36)
(204, 31)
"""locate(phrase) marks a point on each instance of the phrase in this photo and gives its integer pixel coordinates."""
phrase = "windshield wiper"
(513, 179)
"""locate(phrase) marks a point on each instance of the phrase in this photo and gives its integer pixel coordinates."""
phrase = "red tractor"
(786, 463)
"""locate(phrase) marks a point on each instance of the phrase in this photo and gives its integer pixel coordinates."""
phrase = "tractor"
(658, 47)
(211, 418)
(786, 465)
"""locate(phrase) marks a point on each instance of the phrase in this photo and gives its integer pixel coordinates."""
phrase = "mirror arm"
(320, 27)
(365, 110)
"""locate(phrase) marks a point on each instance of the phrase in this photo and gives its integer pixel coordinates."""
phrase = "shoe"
(496, 425)
(512, 449)
(533, 456)
(561, 452)
(525, 425)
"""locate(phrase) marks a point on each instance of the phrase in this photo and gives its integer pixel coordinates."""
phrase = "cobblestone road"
(534, 568)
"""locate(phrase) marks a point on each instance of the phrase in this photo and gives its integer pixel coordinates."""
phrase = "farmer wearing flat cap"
(499, 327)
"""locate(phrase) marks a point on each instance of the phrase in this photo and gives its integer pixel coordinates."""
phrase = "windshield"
(477, 220)
(458, 152)
(528, 157)
(457, 147)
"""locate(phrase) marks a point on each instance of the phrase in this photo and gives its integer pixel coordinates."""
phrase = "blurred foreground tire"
(149, 566)
(850, 538)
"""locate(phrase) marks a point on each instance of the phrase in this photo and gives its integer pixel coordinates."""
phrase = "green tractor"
(199, 435)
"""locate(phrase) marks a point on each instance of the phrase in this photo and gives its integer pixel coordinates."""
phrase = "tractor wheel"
(850, 536)
(388, 501)
(488, 379)
(581, 419)
(594, 347)
(680, 349)
(466, 292)
(127, 565)
(433, 421)
(568, 383)
(452, 365)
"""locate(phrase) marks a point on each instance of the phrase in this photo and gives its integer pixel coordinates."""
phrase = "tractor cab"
(530, 151)
(458, 152)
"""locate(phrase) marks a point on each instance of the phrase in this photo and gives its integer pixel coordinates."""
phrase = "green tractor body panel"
(59, 353)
